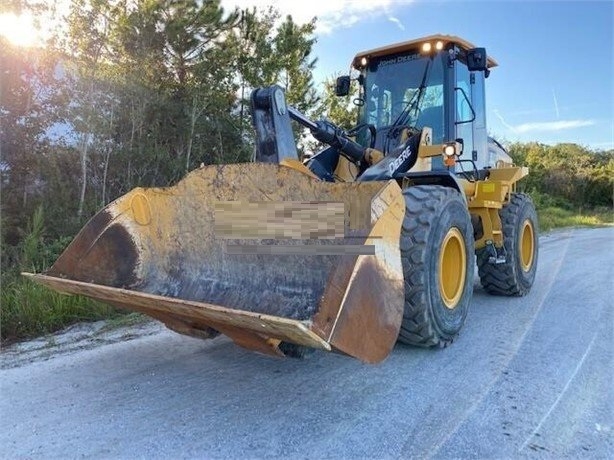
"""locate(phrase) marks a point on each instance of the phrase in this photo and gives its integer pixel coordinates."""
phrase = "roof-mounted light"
(363, 61)
(439, 45)
(427, 47)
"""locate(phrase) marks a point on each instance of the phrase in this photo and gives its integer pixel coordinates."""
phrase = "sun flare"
(19, 29)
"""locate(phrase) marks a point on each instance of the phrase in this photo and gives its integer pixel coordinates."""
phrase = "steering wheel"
(358, 128)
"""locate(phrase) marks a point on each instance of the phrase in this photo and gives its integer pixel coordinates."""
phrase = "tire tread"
(501, 279)
(423, 204)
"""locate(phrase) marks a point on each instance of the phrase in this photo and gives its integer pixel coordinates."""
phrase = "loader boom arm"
(274, 138)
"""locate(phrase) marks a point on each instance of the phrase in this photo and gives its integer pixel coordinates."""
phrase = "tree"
(141, 91)
(567, 175)
(27, 110)
(205, 83)
(293, 46)
(89, 25)
(343, 110)
(154, 76)
(269, 51)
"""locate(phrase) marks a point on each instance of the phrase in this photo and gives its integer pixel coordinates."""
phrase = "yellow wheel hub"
(527, 248)
(452, 268)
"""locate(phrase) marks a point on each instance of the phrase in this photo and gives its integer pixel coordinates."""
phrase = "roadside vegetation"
(571, 185)
(137, 93)
(552, 217)
(29, 309)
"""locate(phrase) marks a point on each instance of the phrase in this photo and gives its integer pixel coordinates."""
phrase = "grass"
(554, 217)
(30, 310)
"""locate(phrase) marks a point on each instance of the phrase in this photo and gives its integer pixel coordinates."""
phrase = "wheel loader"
(371, 241)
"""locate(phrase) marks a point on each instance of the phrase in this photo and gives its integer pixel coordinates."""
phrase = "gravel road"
(530, 376)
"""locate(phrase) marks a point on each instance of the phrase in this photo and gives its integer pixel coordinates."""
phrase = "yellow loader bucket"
(263, 253)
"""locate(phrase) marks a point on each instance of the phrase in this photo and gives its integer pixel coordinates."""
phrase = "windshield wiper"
(412, 104)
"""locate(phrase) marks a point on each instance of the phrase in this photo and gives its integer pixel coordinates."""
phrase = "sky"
(555, 79)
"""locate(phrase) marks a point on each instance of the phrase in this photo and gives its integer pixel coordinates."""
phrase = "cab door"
(470, 113)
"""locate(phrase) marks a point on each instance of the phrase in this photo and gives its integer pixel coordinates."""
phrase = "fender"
(438, 177)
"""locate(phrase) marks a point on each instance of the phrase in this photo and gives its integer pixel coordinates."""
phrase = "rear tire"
(514, 277)
(436, 252)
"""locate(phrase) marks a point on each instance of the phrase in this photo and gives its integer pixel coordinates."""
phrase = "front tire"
(520, 239)
(436, 252)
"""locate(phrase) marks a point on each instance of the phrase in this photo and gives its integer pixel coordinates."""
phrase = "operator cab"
(436, 82)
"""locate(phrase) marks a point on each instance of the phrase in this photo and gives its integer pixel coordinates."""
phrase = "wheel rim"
(452, 268)
(527, 245)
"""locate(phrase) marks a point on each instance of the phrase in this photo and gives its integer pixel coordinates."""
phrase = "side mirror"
(476, 59)
(342, 85)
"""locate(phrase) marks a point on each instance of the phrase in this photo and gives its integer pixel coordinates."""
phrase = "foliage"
(570, 185)
(136, 93)
(555, 217)
(340, 110)
(566, 175)
(29, 309)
